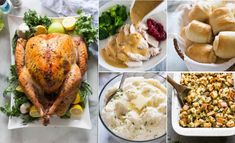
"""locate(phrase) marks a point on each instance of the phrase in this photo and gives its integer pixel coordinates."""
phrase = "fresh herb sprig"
(12, 81)
(85, 90)
(85, 28)
(14, 111)
(28, 119)
(32, 19)
(14, 42)
(19, 98)
(7, 110)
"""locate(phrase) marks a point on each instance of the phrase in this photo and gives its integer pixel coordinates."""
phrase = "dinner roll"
(222, 19)
(186, 40)
(198, 32)
(202, 53)
(200, 12)
(217, 4)
(224, 45)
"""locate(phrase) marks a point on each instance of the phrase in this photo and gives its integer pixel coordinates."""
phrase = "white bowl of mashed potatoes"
(138, 112)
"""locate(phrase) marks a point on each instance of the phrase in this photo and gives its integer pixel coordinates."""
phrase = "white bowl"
(157, 14)
(102, 104)
(196, 66)
(180, 20)
(175, 111)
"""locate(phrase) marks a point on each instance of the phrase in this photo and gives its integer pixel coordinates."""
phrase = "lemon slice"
(69, 23)
(19, 88)
(40, 29)
(33, 112)
(78, 99)
(76, 110)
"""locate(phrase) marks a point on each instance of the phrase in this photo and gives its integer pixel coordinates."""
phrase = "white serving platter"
(83, 122)
(158, 14)
(175, 110)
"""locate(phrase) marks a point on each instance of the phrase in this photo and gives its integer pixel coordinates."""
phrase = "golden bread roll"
(222, 19)
(200, 12)
(202, 53)
(198, 32)
(224, 45)
(217, 4)
(186, 41)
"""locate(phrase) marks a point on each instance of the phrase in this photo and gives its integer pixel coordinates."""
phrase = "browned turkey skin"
(50, 69)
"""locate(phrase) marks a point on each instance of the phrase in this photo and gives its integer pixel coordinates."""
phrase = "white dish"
(175, 110)
(196, 66)
(157, 14)
(14, 122)
(102, 95)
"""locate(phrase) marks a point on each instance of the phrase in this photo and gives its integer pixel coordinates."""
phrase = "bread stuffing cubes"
(210, 103)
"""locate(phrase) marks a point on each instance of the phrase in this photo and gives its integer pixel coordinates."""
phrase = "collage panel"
(132, 35)
(200, 107)
(132, 107)
(200, 35)
(48, 83)
(117, 71)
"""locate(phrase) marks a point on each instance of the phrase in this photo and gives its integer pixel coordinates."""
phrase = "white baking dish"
(175, 110)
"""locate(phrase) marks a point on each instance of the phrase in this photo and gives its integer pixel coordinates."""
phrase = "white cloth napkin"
(70, 7)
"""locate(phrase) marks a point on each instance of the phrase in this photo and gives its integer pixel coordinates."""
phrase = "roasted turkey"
(50, 68)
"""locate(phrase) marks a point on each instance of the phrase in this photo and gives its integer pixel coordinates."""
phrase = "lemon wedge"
(19, 88)
(78, 98)
(33, 112)
(76, 110)
(69, 23)
(40, 29)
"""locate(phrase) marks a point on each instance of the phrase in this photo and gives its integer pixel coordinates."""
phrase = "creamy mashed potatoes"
(139, 111)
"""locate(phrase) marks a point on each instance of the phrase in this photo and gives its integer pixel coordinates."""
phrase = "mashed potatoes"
(139, 111)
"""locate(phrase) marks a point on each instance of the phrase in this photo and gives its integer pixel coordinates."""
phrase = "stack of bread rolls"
(210, 32)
